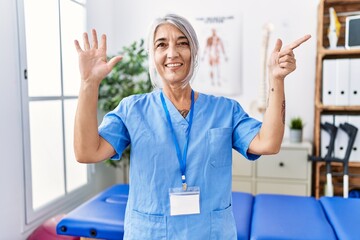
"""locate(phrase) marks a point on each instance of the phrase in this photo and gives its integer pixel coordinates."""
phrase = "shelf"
(340, 2)
(357, 175)
(333, 2)
(337, 177)
(336, 109)
(339, 53)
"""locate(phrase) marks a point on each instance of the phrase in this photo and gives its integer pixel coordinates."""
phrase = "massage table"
(257, 217)
(289, 217)
(344, 215)
(100, 217)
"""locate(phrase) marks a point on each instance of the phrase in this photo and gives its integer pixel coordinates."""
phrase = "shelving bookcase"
(343, 9)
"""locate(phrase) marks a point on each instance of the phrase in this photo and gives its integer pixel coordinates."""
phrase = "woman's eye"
(184, 44)
(160, 45)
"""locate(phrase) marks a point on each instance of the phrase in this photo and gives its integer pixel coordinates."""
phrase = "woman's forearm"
(86, 137)
(273, 127)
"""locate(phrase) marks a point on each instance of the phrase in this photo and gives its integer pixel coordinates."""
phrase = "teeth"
(173, 64)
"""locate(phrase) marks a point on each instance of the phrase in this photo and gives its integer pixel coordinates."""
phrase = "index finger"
(298, 42)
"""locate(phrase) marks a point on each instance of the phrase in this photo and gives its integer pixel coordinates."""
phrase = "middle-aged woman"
(181, 140)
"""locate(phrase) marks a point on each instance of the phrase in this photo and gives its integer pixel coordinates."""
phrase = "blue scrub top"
(219, 124)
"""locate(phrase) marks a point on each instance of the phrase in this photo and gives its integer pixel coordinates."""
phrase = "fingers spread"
(94, 41)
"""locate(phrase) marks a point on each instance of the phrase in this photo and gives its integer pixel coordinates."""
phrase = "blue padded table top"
(344, 215)
(242, 205)
(100, 217)
(289, 217)
(103, 215)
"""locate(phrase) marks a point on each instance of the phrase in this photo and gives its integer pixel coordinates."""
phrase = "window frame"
(69, 199)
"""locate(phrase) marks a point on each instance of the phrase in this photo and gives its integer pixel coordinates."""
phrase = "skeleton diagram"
(213, 50)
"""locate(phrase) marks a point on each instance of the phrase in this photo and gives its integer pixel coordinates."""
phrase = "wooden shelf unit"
(343, 9)
(337, 177)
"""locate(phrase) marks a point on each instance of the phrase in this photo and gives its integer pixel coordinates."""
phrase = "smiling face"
(172, 54)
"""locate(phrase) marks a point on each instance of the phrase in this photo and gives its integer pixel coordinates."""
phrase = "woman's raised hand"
(93, 62)
(282, 61)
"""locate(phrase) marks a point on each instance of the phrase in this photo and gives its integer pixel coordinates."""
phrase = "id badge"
(184, 202)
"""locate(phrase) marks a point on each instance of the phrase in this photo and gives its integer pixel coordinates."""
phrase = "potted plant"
(296, 128)
(129, 76)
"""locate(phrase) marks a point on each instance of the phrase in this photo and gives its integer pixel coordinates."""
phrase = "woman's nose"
(172, 51)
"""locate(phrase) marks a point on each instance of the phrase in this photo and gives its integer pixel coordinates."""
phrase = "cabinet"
(327, 109)
(287, 172)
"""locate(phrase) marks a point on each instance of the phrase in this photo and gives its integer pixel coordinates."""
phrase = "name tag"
(184, 202)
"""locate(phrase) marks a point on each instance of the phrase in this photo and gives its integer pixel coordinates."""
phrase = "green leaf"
(296, 123)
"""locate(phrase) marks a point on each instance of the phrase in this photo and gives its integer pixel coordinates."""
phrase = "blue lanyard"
(181, 159)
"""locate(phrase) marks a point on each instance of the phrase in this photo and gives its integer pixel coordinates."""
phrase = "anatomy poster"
(219, 70)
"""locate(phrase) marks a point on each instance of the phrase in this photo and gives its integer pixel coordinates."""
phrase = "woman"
(181, 140)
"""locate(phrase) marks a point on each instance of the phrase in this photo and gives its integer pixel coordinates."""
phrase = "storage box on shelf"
(336, 108)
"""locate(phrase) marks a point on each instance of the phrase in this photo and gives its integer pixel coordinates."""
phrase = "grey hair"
(186, 28)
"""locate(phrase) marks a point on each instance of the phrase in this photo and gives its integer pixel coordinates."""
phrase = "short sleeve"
(245, 128)
(114, 131)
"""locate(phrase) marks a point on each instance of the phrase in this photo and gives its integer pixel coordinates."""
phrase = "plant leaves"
(129, 76)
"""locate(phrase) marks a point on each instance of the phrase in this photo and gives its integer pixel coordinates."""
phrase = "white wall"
(12, 202)
(11, 181)
(292, 19)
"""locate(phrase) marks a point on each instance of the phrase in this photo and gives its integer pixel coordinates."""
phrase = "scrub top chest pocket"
(220, 147)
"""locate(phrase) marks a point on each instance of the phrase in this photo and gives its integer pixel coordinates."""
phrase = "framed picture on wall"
(220, 62)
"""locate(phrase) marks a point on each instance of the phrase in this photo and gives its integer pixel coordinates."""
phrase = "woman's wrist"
(89, 87)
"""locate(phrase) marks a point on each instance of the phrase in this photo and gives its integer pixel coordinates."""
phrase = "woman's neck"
(180, 98)
(178, 94)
